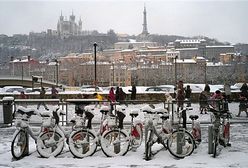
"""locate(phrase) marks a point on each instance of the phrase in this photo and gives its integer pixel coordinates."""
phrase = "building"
(190, 48)
(134, 45)
(69, 27)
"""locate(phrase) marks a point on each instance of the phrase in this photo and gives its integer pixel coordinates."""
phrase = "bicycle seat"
(134, 113)
(120, 109)
(104, 110)
(160, 110)
(147, 109)
(193, 117)
(45, 114)
(89, 109)
(165, 117)
(28, 111)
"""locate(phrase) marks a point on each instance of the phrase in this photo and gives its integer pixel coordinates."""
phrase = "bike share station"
(177, 114)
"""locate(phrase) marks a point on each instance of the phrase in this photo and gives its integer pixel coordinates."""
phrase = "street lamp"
(57, 71)
(175, 70)
(22, 73)
(205, 75)
(113, 74)
(95, 64)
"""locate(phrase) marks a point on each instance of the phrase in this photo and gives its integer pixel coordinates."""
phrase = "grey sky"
(223, 20)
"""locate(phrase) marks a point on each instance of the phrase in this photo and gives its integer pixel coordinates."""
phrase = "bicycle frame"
(162, 135)
(196, 129)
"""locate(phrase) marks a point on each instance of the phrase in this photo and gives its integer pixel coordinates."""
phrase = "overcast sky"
(223, 20)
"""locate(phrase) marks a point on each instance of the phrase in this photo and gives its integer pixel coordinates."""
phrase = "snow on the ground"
(234, 156)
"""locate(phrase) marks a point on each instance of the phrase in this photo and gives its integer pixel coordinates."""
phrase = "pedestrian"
(203, 99)
(42, 96)
(99, 98)
(217, 99)
(244, 90)
(23, 96)
(122, 96)
(133, 92)
(168, 102)
(117, 94)
(188, 91)
(54, 92)
(227, 89)
(242, 104)
(111, 94)
(111, 98)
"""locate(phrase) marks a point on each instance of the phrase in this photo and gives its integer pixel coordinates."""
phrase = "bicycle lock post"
(180, 134)
(210, 139)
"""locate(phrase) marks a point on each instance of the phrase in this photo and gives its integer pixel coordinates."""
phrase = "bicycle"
(83, 141)
(117, 142)
(221, 129)
(151, 121)
(19, 144)
(50, 142)
(181, 141)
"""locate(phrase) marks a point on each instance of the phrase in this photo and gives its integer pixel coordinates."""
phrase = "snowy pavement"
(234, 156)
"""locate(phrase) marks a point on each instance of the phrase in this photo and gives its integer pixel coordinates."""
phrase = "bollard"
(180, 142)
(210, 139)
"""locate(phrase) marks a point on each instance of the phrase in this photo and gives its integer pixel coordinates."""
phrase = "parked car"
(238, 85)
(91, 88)
(160, 89)
(30, 90)
(13, 89)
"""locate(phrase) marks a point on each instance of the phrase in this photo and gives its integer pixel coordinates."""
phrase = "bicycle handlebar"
(220, 113)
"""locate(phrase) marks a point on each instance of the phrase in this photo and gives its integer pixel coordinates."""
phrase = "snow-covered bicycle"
(181, 141)
(118, 141)
(154, 133)
(19, 144)
(83, 141)
(50, 141)
(221, 129)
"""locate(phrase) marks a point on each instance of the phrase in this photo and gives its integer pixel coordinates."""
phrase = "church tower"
(145, 31)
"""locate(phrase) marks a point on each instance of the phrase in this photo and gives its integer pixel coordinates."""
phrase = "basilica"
(69, 27)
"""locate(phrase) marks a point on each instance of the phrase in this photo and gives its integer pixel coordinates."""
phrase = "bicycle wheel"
(19, 144)
(148, 146)
(82, 143)
(137, 136)
(181, 143)
(115, 143)
(50, 144)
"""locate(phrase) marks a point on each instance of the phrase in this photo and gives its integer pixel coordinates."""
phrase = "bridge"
(35, 81)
